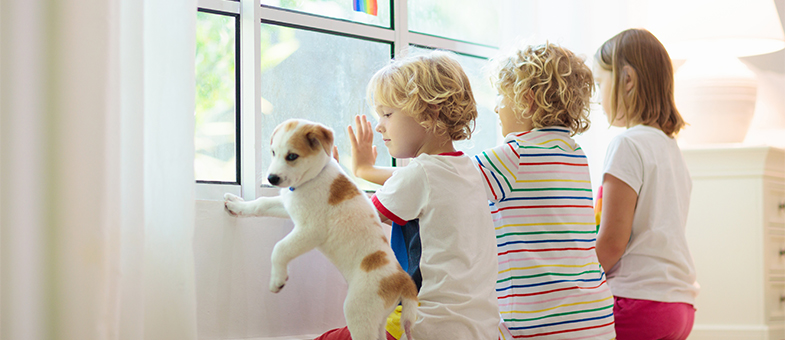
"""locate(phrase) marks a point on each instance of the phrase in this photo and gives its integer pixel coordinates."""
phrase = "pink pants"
(652, 320)
(342, 334)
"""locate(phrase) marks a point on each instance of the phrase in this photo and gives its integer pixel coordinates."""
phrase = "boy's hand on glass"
(363, 151)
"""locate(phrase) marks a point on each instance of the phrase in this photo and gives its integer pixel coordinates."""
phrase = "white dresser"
(736, 233)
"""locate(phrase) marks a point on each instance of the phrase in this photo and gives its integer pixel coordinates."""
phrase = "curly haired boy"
(550, 283)
(424, 103)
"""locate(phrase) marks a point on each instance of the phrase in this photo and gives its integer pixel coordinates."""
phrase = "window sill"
(215, 192)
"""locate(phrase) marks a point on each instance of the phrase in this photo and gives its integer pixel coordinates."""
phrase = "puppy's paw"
(232, 204)
(232, 197)
(276, 284)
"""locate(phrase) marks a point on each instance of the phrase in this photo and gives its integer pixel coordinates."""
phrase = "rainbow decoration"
(598, 209)
(365, 6)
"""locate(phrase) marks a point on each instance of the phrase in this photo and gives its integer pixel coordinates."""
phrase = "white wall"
(233, 271)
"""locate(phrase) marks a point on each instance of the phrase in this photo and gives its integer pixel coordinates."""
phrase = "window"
(217, 97)
(340, 9)
(312, 77)
(464, 20)
(312, 59)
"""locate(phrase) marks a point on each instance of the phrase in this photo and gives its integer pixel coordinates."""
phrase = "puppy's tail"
(409, 306)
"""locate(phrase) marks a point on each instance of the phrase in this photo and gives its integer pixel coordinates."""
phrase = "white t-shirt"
(657, 264)
(458, 262)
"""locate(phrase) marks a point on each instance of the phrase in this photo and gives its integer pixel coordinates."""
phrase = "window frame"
(251, 15)
(213, 189)
(237, 108)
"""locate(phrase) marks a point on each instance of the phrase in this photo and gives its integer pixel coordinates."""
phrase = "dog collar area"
(291, 188)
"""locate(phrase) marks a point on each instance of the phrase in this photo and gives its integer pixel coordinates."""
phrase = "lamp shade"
(716, 27)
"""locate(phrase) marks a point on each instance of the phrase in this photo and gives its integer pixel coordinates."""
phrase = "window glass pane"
(216, 112)
(352, 10)
(310, 75)
(487, 132)
(465, 20)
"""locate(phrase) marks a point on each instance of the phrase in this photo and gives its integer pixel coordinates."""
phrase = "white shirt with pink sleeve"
(458, 262)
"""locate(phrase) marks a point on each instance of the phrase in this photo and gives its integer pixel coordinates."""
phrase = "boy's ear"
(529, 97)
(629, 77)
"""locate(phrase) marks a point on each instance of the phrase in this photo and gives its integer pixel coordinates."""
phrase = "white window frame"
(251, 16)
(215, 191)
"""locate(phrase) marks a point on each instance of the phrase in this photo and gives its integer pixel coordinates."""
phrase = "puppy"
(331, 214)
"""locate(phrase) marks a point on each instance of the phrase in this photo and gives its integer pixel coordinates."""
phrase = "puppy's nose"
(273, 179)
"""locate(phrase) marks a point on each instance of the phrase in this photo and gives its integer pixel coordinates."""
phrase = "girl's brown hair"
(548, 82)
(651, 98)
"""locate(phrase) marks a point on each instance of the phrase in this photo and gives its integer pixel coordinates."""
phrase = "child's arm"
(384, 218)
(496, 166)
(618, 209)
(364, 153)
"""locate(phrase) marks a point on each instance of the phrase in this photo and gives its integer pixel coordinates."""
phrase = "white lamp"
(715, 91)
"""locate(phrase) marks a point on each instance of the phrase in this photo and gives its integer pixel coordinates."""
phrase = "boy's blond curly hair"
(432, 88)
(549, 83)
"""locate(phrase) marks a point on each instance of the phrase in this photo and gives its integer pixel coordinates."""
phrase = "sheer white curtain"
(96, 169)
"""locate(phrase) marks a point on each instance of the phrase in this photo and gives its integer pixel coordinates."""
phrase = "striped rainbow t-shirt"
(550, 283)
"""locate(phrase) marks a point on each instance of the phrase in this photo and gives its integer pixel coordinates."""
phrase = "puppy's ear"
(320, 135)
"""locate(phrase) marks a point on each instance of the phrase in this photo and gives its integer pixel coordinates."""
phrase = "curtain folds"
(96, 169)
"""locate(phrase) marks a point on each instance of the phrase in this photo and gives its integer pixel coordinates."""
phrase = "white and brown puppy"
(331, 214)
